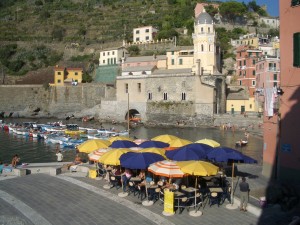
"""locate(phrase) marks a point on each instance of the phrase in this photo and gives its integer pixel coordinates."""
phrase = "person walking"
(59, 156)
(244, 189)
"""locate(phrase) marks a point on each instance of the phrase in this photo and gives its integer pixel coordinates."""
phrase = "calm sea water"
(34, 150)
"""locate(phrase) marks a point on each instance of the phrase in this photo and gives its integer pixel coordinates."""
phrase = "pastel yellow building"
(239, 102)
(180, 57)
(64, 76)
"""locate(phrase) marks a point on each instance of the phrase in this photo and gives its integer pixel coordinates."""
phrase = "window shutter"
(296, 50)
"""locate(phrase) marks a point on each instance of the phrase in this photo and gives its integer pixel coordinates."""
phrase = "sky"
(272, 5)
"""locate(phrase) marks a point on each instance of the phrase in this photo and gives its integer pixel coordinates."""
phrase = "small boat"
(241, 143)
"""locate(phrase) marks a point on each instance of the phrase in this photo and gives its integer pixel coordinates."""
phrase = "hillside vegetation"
(43, 24)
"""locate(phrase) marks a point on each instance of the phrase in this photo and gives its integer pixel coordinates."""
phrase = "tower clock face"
(209, 39)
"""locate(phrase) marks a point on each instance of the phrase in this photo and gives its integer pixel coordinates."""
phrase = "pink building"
(267, 76)
(246, 58)
(281, 155)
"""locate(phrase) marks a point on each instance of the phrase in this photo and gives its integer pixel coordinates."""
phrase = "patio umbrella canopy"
(179, 142)
(92, 145)
(166, 168)
(95, 155)
(136, 160)
(225, 154)
(113, 157)
(195, 151)
(123, 144)
(159, 151)
(198, 168)
(153, 144)
(209, 142)
(119, 138)
(165, 138)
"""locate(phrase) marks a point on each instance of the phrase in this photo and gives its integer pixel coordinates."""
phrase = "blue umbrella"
(195, 151)
(224, 154)
(153, 144)
(123, 144)
(136, 160)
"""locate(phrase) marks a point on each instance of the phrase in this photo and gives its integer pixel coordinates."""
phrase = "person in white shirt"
(59, 156)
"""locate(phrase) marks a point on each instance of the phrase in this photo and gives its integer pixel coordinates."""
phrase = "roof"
(145, 58)
(137, 68)
(80, 69)
(237, 93)
(56, 68)
(204, 18)
(179, 48)
(172, 71)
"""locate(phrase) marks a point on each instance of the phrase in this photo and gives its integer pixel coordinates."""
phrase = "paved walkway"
(41, 199)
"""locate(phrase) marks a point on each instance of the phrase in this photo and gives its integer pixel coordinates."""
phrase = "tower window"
(165, 96)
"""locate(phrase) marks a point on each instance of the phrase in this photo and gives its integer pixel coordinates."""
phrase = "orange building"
(246, 58)
(64, 76)
(281, 153)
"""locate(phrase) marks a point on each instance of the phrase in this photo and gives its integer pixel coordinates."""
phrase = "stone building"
(187, 87)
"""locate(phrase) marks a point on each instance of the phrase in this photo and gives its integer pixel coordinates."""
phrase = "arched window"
(202, 48)
(201, 29)
(165, 96)
(183, 96)
(209, 30)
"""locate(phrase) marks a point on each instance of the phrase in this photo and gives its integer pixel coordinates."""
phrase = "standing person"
(59, 156)
(244, 188)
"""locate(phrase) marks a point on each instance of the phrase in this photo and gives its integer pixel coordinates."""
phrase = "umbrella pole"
(195, 194)
(231, 194)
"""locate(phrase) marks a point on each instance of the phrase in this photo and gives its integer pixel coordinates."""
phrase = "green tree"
(273, 32)
(86, 78)
(211, 10)
(262, 12)
(166, 34)
(231, 10)
(58, 33)
(133, 50)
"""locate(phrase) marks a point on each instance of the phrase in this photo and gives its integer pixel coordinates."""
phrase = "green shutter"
(296, 50)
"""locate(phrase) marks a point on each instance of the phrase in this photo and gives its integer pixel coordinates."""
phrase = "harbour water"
(36, 150)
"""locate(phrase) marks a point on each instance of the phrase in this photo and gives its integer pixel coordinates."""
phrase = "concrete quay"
(73, 198)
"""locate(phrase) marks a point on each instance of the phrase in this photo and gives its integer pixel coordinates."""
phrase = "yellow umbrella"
(92, 145)
(119, 138)
(113, 157)
(165, 138)
(159, 151)
(198, 168)
(209, 142)
(177, 143)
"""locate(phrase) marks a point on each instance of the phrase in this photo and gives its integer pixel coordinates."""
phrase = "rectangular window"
(126, 88)
(257, 54)
(137, 39)
(149, 96)
(275, 76)
(139, 87)
(108, 53)
(244, 62)
(296, 61)
(183, 96)
(240, 63)
(103, 61)
(250, 106)
(58, 81)
(253, 61)
(115, 61)
(113, 53)
(76, 73)
(240, 73)
(295, 2)
(240, 83)
(253, 72)
(137, 31)
(58, 73)
(172, 61)
(147, 30)
(180, 61)
(165, 96)
(172, 52)
(76, 81)
(147, 38)
(253, 83)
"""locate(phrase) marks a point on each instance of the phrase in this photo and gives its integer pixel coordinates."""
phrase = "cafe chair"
(132, 188)
(183, 203)
(141, 190)
(115, 182)
(156, 194)
(226, 194)
(214, 199)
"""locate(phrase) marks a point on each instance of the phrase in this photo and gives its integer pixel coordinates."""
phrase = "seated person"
(170, 185)
(125, 178)
(77, 160)
(15, 161)
(142, 176)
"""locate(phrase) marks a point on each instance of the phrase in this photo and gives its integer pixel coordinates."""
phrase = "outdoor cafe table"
(190, 191)
(210, 184)
(177, 196)
(216, 189)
